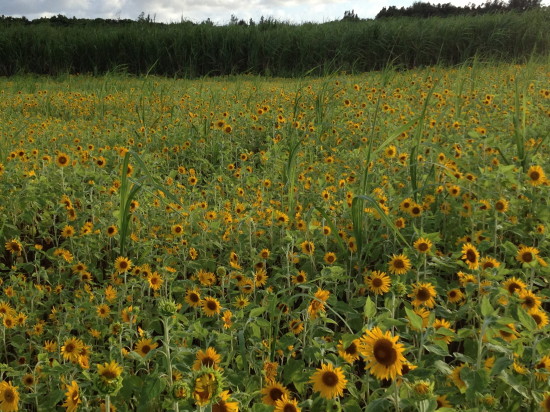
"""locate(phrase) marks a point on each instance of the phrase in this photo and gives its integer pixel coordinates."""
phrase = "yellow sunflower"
(273, 392)
(536, 175)
(307, 247)
(14, 246)
(209, 358)
(540, 317)
(470, 255)
(71, 349)
(456, 378)
(9, 397)
(514, 285)
(296, 326)
(284, 404)
(210, 306)
(144, 346)
(384, 356)
(443, 323)
(72, 399)
(423, 294)
(423, 245)
(399, 264)
(351, 353)
(545, 404)
(378, 282)
(62, 159)
(223, 405)
(155, 280)
(527, 254)
(109, 372)
(529, 300)
(329, 381)
(122, 264)
(193, 298)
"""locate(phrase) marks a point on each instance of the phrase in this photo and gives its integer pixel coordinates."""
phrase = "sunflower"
(71, 349)
(103, 311)
(540, 317)
(122, 264)
(329, 258)
(68, 231)
(536, 175)
(351, 353)
(470, 255)
(14, 246)
(423, 294)
(329, 381)
(399, 264)
(62, 159)
(273, 392)
(527, 254)
(442, 323)
(307, 247)
(489, 263)
(296, 326)
(210, 359)
(514, 285)
(301, 277)
(72, 399)
(508, 333)
(193, 298)
(9, 397)
(223, 405)
(456, 378)
(109, 372)
(455, 295)
(442, 402)
(384, 356)
(144, 346)
(529, 300)
(287, 405)
(545, 404)
(207, 386)
(260, 277)
(28, 380)
(378, 282)
(155, 281)
(241, 302)
(206, 278)
(423, 245)
(210, 306)
(502, 205)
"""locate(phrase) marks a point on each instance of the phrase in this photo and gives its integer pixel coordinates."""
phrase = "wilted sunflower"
(144, 346)
(72, 397)
(423, 294)
(209, 359)
(384, 356)
(285, 404)
(329, 381)
(9, 397)
(210, 306)
(273, 392)
(399, 264)
(378, 282)
(470, 255)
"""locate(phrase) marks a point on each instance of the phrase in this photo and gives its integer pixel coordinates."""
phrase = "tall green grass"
(278, 49)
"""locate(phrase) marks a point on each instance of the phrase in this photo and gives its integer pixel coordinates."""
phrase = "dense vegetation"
(61, 45)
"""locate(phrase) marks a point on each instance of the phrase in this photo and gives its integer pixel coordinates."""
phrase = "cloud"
(218, 11)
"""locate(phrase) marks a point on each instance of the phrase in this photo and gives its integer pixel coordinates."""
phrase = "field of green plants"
(374, 242)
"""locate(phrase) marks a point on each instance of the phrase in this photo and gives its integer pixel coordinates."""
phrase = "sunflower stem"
(107, 403)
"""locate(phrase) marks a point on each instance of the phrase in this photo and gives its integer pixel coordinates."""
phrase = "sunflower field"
(373, 242)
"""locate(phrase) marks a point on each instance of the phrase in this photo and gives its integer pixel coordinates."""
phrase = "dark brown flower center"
(527, 257)
(423, 294)
(193, 297)
(384, 352)
(212, 305)
(9, 395)
(398, 264)
(108, 374)
(377, 282)
(351, 349)
(208, 362)
(423, 247)
(534, 175)
(471, 256)
(329, 379)
(289, 408)
(146, 349)
(275, 394)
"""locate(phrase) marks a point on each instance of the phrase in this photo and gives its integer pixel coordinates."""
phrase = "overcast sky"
(219, 11)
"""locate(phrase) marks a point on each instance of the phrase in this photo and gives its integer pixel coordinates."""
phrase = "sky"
(219, 11)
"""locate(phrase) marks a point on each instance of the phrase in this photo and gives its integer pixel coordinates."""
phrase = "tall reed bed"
(273, 48)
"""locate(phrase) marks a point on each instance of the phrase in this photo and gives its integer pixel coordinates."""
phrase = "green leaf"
(486, 308)
(293, 371)
(377, 405)
(257, 311)
(500, 364)
(415, 319)
(443, 367)
(525, 319)
(370, 308)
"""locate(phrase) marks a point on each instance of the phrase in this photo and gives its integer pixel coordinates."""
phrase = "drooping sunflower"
(72, 397)
(330, 382)
(9, 397)
(351, 353)
(384, 356)
(273, 392)
(296, 326)
(144, 346)
(470, 255)
(210, 306)
(456, 378)
(399, 264)
(209, 359)
(378, 282)
(285, 404)
(109, 371)
(536, 175)
(207, 386)
(423, 294)
(527, 254)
